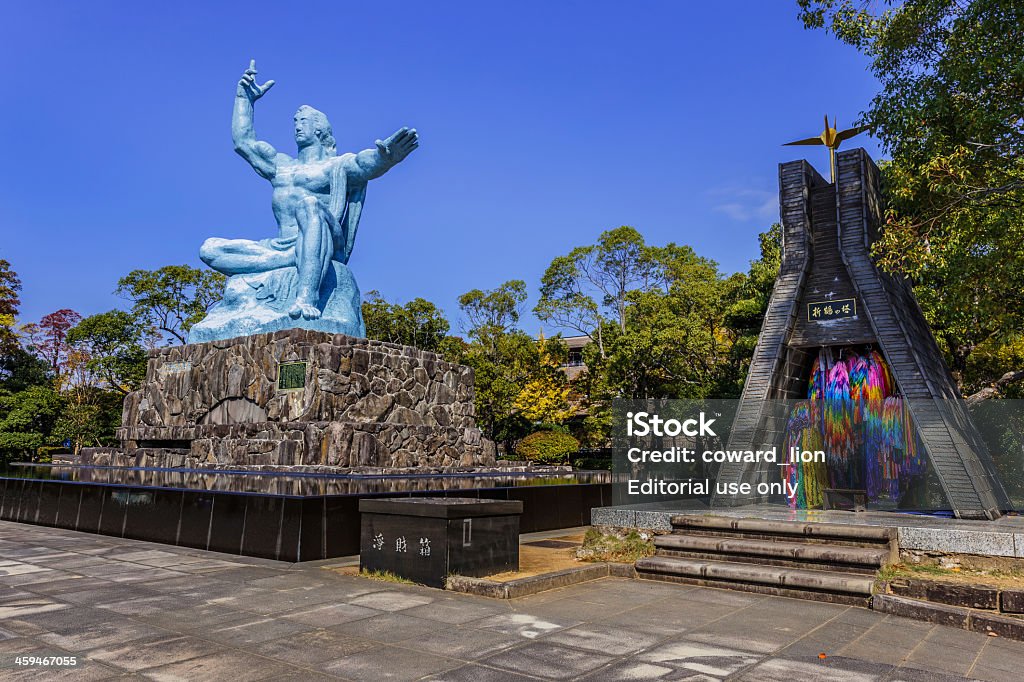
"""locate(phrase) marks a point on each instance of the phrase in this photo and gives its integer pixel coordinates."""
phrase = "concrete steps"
(821, 561)
(775, 553)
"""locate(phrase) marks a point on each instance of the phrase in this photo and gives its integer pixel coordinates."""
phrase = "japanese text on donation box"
(673, 450)
(400, 545)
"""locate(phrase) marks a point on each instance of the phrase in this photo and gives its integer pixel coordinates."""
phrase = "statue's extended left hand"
(399, 145)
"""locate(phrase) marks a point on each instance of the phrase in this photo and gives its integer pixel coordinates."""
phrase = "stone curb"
(522, 587)
(955, 616)
(956, 594)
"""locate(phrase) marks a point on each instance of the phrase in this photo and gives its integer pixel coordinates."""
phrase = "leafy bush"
(547, 447)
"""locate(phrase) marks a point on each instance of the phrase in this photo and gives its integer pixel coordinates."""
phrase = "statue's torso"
(294, 182)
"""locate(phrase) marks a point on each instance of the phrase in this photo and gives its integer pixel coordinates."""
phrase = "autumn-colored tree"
(547, 397)
(48, 340)
(10, 285)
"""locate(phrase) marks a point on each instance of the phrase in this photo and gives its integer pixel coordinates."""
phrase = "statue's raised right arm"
(259, 154)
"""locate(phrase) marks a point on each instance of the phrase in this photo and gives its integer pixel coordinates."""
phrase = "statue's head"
(310, 125)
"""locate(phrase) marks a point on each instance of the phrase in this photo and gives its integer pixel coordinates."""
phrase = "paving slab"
(479, 673)
(225, 666)
(549, 661)
(388, 627)
(389, 663)
(457, 611)
(312, 647)
(153, 652)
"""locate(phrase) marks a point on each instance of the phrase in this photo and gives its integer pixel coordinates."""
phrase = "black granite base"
(303, 527)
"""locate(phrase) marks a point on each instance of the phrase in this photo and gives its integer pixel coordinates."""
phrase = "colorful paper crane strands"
(853, 414)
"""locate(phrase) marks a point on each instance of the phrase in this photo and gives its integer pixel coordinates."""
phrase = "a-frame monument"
(828, 229)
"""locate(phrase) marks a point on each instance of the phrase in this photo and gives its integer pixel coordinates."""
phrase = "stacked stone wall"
(360, 403)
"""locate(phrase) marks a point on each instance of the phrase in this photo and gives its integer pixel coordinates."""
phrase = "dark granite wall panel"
(49, 503)
(404, 559)
(12, 493)
(342, 514)
(90, 508)
(538, 507)
(291, 524)
(229, 519)
(29, 502)
(486, 545)
(196, 508)
(154, 518)
(67, 508)
(262, 526)
(115, 506)
(311, 538)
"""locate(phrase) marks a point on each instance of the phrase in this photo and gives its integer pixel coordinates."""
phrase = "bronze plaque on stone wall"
(291, 376)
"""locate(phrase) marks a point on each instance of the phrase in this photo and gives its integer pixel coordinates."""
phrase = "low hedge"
(547, 447)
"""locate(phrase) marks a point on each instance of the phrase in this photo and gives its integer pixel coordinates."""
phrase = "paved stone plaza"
(137, 609)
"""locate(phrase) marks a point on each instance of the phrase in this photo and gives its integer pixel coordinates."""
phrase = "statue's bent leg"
(243, 256)
(312, 256)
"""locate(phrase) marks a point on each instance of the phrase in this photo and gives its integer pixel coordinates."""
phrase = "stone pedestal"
(300, 397)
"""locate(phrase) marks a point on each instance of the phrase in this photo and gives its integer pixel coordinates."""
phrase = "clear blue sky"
(542, 124)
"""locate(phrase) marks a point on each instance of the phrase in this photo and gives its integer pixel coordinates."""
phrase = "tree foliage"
(418, 323)
(580, 289)
(172, 298)
(494, 311)
(48, 338)
(113, 345)
(27, 419)
(665, 321)
(547, 397)
(10, 285)
(948, 112)
(504, 359)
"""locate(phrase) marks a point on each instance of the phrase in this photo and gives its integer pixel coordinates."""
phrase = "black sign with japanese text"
(831, 310)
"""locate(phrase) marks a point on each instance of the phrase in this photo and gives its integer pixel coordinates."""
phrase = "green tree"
(172, 298)
(745, 315)
(503, 358)
(27, 419)
(20, 369)
(113, 345)
(671, 327)
(88, 417)
(579, 289)
(951, 76)
(494, 311)
(675, 343)
(418, 323)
